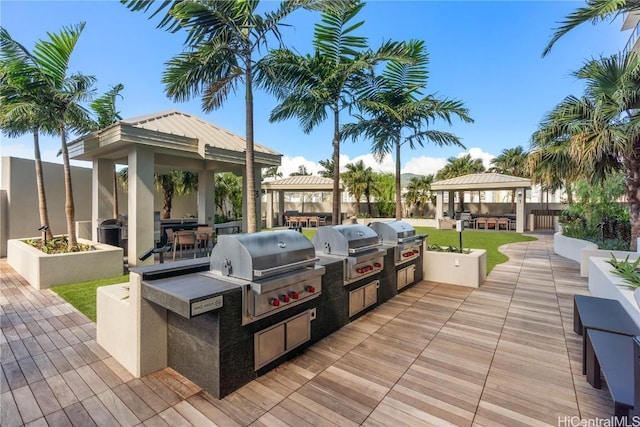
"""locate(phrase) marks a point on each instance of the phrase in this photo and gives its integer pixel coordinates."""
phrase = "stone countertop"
(189, 294)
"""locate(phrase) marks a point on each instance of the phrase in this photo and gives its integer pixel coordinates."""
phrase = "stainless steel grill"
(402, 236)
(276, 270)
(357, 244)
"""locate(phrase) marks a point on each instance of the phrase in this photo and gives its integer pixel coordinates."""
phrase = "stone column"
(206, 201)
(269, 209)
(141, 192)
(280, 220)
(439, 205)
(101, 193)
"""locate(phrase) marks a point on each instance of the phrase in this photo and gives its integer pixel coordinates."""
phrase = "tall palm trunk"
(461, 197)
(250, 185)
(632, 164)
(167, 193)
(42, 198)
(368, 197)
(68, 201)
(335, 212)
(569, 192)
(398, 182)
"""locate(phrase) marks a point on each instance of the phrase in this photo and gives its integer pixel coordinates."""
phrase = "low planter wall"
(581, 251)
(604, 284)
(415, 222)
(131, 329)
(43, 270)
(456, 268)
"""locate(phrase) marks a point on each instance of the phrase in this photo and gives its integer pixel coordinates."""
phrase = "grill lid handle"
(227, 270)
(283, 268)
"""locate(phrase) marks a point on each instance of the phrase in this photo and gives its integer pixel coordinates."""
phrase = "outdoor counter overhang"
(158, 143)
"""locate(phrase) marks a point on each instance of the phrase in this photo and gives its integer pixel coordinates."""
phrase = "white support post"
(141, 195)
(101, 193)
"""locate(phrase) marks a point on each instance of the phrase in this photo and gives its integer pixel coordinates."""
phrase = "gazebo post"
(269, 209)
(206, 190)
(280, 207)
(141, 195)
(101, 193)
(520, 205)
(439, 205)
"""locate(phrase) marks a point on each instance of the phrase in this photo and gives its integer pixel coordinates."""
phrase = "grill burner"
(402, 237)
(276, 270)
(358, 244)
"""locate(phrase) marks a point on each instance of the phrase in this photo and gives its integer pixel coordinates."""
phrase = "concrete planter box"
(604, 284)
(44, 270)
(581, 251)
(456, 268)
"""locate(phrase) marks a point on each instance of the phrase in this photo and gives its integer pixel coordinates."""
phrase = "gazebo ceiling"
(301, 183)
(481, 181)
(179, 140)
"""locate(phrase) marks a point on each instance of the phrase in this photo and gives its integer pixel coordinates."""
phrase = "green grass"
(82, 295)
(488, 240)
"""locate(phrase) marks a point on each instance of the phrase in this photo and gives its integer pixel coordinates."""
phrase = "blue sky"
(487, 54)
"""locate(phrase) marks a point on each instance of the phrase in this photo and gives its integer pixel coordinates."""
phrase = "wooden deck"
(503, 354)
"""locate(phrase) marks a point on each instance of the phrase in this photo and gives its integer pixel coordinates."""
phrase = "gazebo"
(303, 183)
(157, 143)
(482, 182)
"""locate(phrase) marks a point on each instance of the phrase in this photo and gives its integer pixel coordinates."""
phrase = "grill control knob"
(275, 302)
(377, 265)
(294, 295)
(310, 289)
(284, 298)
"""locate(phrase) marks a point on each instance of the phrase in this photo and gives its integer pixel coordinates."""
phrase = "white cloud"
(387, 165)
(290, 165)
(477, 153)
(424, 165)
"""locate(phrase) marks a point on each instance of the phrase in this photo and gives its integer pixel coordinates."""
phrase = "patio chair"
(313, 221)
(184, 239)
(204, 236)
(502, 222)
(322, 220)
(481, 221)
(492, 223)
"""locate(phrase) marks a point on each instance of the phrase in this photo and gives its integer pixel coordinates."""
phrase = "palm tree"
(105, 109)
(21, 110)
(359, 180)
(602, 127)
(61, 96)
(392, 105)
(271, 172)
(511, 161)
(318, 86)
(327, 168)
(228, 189)
(551, 165)
(460, 166)
(223, 38)
(596, 11)
(174, 183)
(419, 192)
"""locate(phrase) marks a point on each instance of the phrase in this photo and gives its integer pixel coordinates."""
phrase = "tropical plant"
(395, 113)
(222, 41)
(302, 171)
(384, 190)
(627, 270)
(327, 168)
(104, 107)
(174, 183)
(61, 95)
(228, 193)
(271, 172)
(551, 165)
(595, 11)
(21, 110)
(318, 86)
(358, 179)
(460, 166)
(602, 126)
(511, 161)
(419, 192)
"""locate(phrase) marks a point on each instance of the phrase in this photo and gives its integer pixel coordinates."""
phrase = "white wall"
(21, 214)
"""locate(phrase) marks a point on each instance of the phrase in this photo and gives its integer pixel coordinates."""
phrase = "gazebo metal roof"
(481, 181)
(301, 183)
(173, 133)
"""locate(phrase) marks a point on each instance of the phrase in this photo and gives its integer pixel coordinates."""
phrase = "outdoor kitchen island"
(223, 323)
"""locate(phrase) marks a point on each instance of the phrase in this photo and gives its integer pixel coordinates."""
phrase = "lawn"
(82, 295)
(489, 240)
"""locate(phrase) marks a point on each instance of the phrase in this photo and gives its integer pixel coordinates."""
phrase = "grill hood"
(259, 255)
(394, 232)
(345, 240)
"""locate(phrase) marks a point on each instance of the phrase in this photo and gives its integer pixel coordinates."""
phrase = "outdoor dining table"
(194, 238)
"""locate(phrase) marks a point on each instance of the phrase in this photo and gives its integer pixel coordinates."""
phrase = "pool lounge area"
(502, 354)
